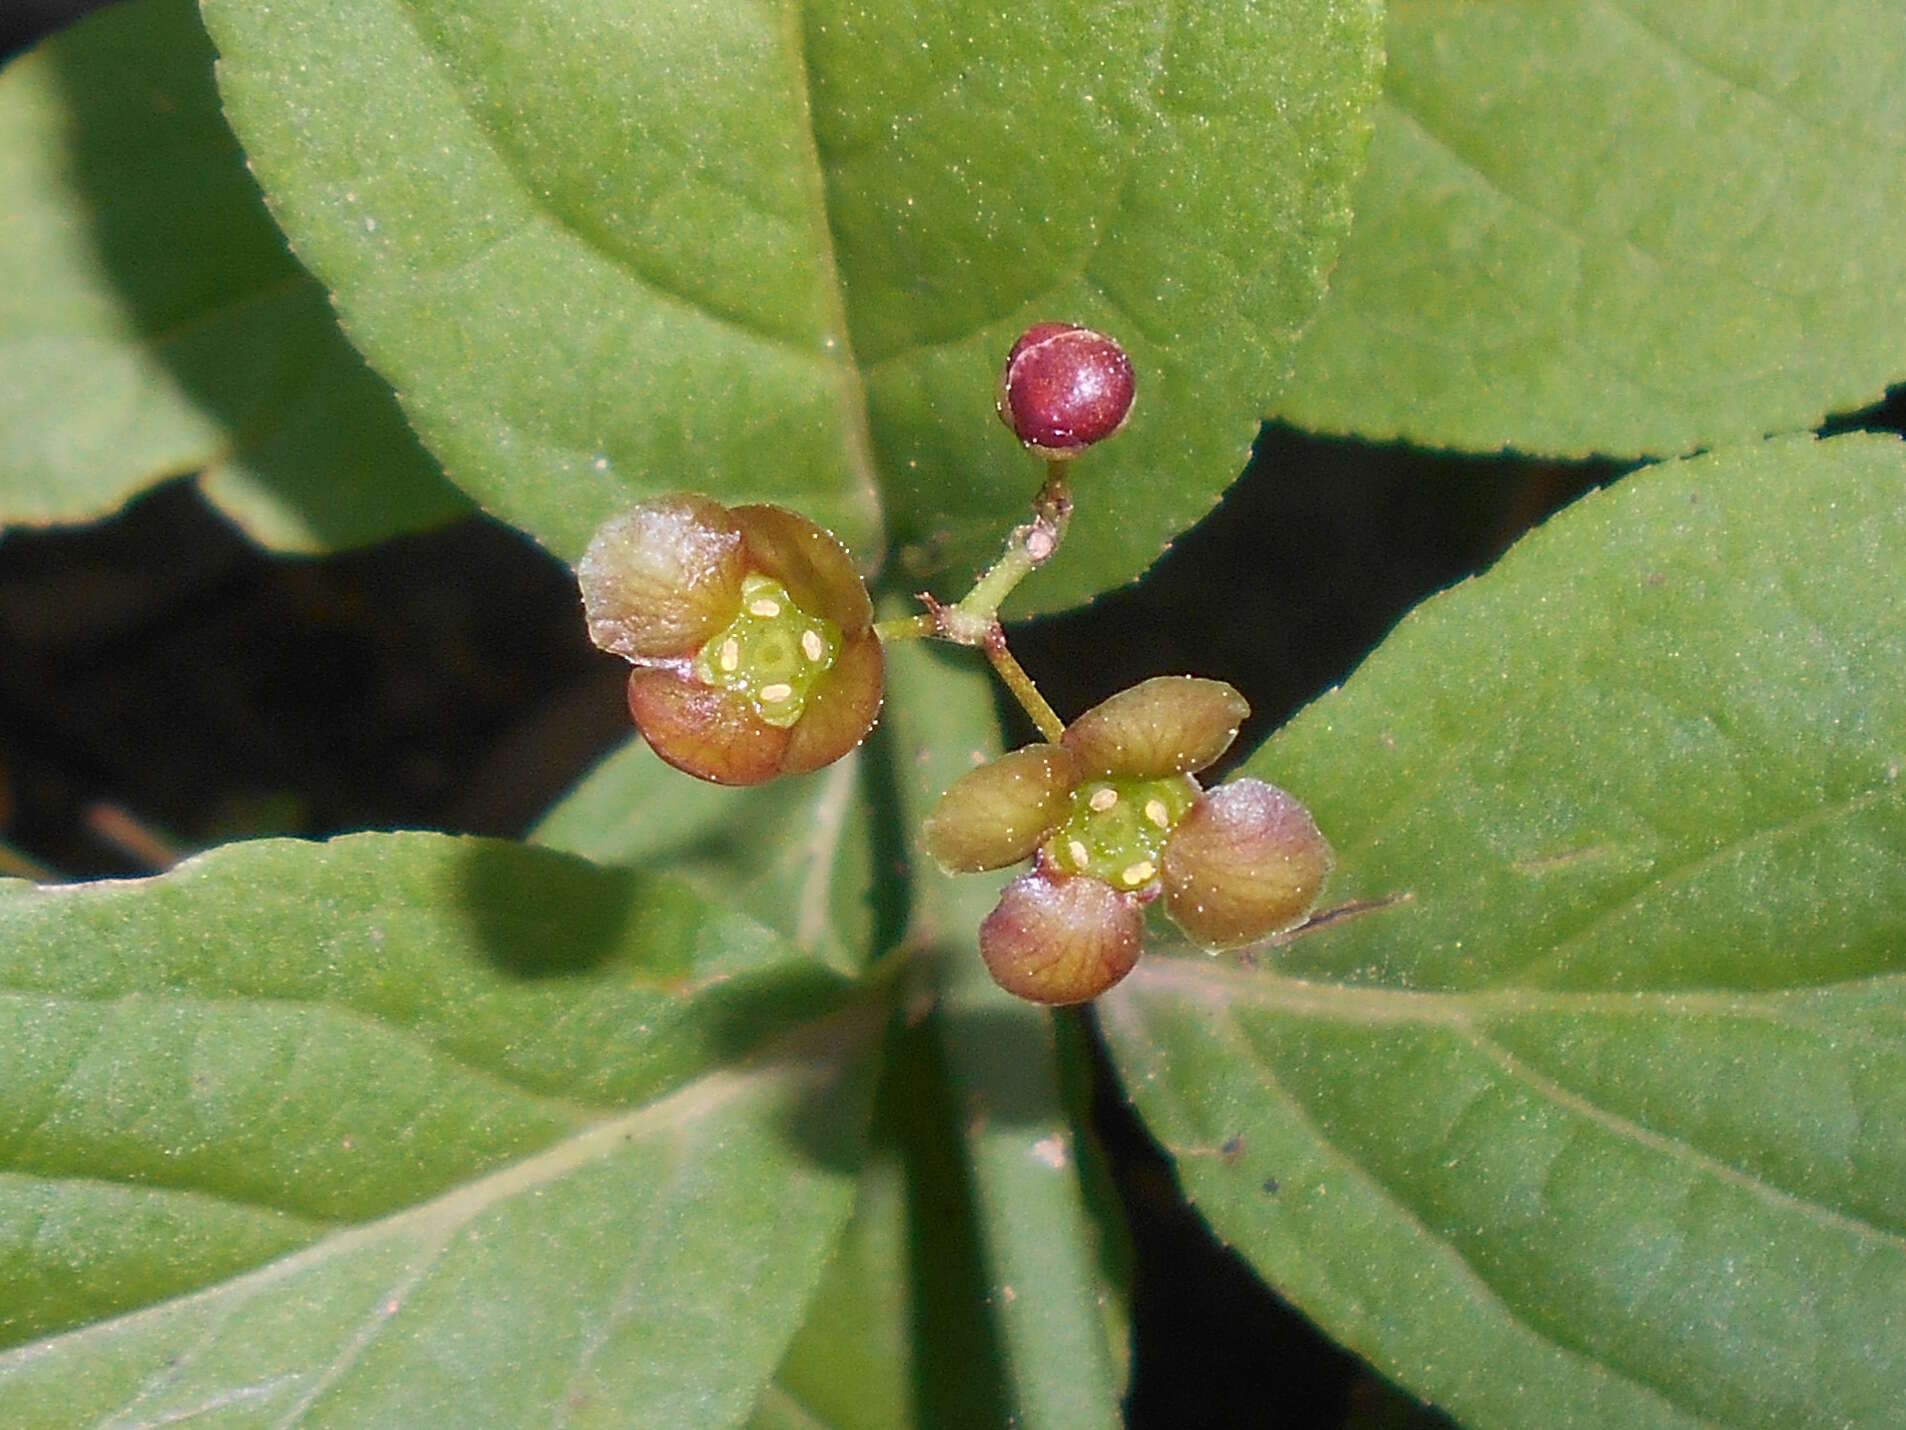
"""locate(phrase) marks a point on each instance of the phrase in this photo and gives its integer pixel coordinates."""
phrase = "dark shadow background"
(164, 685)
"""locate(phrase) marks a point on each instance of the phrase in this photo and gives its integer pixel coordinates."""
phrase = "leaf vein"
(850, 378)
(1835, 133)
(383, 1309)
(1156, 72)
(1458, 1262)
(1688, 871)
(676, 1167)
(541, 205)
(1600, 1366)
(1566, 227)
(1679, 1149)
(823, 852)
(422, 1037)
(809, 1056)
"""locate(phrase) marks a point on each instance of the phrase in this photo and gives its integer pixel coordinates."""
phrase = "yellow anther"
(812, 646)
(764, 606)
(1103, 799)
(1078, 852)
(730, 654)
(1138, 873)
(776, 693)
(1156, 812)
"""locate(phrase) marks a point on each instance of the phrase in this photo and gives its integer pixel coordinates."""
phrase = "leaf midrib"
(810, 1058)
(1468, 1016)
(856, 428)
(1459, 1262)
(857, 418)
(1221, 984)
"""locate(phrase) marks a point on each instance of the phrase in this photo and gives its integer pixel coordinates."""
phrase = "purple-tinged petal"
(997, 814)
(1247, 861)
(1054, 939)
(661, 578)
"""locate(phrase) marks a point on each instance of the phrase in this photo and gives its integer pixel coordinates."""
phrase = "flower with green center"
(1113, 819)
(750, 632)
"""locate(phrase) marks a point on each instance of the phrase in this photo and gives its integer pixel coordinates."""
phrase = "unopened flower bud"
(1064, 388)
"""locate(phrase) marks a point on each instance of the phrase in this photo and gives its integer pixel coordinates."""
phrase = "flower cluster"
(750, 631)
(756, 655)
(1113, 820)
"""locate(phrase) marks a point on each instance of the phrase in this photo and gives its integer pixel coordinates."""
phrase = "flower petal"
(997, 814)
(1054, 939)
(711, 734)
(810, 561)
(660, 579)
(1168, 725)
(1246, 862)
(841, 706)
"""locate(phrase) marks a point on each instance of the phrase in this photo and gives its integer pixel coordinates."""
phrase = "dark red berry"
(1064, 388)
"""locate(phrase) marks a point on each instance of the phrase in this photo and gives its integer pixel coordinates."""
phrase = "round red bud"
(1064, 388)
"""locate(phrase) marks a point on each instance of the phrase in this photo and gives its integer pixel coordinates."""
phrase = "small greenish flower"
(750, 631)
(1113, 819)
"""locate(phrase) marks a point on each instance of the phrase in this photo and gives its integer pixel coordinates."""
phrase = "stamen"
(765, 606)
(730, 654)
(1138, 873)
(812, 646)
(776, 693)
(1103, 799)
(1156, 812)
(1078, 852)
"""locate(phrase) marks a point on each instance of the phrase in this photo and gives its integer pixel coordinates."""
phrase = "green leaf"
(152, 323)
(1597, 1117)
(406, 1127)
(780, 253)
(1045, 1267)
(1635, 228)
(796, 853)
(901, 1332)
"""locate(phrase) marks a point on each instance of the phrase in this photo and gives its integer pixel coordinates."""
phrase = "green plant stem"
(1028, 548)
(906, 628)
(974, 619)
(1020, 683)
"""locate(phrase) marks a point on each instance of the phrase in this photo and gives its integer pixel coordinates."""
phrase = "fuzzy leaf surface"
(1632, 227)
(152, 323)
(779, 251)
(903, 1331)
(405, 1128)
(1046, 1267)
(795, 853)
(1602, 1122)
